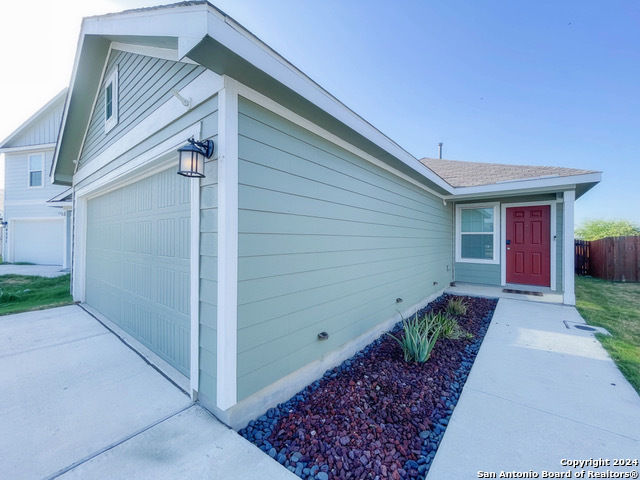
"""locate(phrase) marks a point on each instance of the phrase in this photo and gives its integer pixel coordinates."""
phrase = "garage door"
(38, 241)
(138, 262)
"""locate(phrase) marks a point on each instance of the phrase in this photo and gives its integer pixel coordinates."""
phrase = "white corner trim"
(194, 255)
(146, 160)
(227, 331)
(496, 233)
(552, 239)
(79, 251)
(284, 112)
(568, 257)
(200, 89)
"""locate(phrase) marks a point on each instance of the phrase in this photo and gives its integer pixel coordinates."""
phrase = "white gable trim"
(28, 148)
(156, 52)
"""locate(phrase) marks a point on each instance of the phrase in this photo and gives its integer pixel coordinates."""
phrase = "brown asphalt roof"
(471, 174)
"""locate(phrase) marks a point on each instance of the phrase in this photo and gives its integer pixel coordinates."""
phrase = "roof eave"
(581, 183)
(191, 32)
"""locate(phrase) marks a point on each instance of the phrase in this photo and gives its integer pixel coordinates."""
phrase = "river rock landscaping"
(375, 415)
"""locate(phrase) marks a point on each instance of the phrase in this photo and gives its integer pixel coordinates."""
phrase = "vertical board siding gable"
(327, 242)
(144, 84)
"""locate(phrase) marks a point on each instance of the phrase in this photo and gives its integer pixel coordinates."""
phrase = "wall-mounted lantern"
(191, 162)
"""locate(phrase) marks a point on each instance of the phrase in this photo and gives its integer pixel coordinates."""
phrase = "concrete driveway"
(540, 391)
(78, 403)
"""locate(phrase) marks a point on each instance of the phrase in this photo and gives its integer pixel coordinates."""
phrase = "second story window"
(36, 168)
(111, 101)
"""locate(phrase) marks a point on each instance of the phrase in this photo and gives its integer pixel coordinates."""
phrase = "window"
(36, 168)
(477, 233)
(111, 101)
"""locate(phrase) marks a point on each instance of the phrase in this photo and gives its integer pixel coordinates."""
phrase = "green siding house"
(307, 220)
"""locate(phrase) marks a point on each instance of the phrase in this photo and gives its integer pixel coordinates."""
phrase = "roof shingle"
(471, 174)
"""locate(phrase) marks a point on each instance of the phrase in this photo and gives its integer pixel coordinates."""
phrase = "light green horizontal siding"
(144, 84)
(482, 273)
(327, 242)
(209, 266)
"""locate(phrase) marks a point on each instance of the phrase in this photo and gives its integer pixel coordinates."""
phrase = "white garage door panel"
(38, 241)
(138, 262)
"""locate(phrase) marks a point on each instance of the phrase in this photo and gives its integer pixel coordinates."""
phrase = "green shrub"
(456, 306)
(451, 329)
(420, 336)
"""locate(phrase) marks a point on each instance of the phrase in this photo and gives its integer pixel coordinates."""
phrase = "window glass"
(477, 220)
(477, 246)
(109, 101)
(35, 170)
(477, 234)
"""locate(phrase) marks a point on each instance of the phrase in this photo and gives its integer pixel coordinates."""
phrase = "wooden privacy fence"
(582, 257)
(615, 259)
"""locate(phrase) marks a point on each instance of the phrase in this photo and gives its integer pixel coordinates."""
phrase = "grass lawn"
(22, 293)
(616, 307)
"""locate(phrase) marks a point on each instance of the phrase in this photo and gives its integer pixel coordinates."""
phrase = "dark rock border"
(375, 416)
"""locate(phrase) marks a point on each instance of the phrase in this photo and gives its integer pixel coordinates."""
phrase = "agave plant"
(456, 306)
(420, 336)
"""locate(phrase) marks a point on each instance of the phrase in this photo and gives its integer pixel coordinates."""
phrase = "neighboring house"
(34, 232)
(308, 220)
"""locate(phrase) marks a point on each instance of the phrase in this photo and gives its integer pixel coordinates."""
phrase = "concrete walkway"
(78, 403)
(538, 393)
(38, 270)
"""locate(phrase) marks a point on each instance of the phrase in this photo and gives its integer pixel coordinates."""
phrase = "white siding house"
(34, 231)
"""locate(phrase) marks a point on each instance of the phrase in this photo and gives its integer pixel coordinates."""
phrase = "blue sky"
(542, 83)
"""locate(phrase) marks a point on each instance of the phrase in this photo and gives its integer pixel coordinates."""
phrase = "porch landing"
(490, 291)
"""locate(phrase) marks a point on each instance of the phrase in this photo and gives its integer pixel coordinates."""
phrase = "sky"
(534, 83)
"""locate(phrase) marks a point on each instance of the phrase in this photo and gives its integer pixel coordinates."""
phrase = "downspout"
(453, 243)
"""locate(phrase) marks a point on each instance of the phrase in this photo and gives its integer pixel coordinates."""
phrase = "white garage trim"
(194, 311)
(158, 158)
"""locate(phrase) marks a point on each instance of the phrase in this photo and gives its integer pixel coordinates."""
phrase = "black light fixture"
(191, 163)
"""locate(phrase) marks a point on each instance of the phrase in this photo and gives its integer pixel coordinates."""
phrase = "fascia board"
(237, 39)
(185, 21)
(530, 185)
(54, 164)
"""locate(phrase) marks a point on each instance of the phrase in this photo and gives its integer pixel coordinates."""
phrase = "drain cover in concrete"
(588, 328)
(585, 327)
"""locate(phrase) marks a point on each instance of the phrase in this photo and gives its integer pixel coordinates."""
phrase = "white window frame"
(112, 121)
(42, 155)
(496, 232)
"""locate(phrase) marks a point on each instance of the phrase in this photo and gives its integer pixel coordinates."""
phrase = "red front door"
(528, 242)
